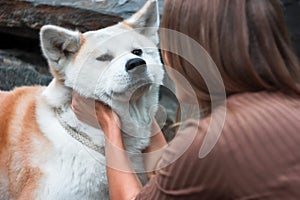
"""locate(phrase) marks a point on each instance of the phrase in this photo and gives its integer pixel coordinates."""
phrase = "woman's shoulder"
(263, 100)
(260, 138)
(257, 138)
(263, 115)
(247, 119)
(261, 108)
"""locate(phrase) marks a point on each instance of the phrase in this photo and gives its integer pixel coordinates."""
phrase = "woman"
(257, 154)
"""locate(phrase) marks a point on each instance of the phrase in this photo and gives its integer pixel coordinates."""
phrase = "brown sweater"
(257, 155)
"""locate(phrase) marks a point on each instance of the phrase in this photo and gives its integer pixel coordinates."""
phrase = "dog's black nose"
(135, 63)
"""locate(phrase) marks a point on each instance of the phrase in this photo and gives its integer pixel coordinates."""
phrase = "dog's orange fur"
(19, 131)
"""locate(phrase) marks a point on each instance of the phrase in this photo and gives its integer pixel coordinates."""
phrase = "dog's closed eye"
(105, 57)
(137, 52)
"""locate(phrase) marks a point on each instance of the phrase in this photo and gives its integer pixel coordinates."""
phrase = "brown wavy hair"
(247, 39)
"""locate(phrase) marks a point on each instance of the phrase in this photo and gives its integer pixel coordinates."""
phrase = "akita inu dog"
(45, 152)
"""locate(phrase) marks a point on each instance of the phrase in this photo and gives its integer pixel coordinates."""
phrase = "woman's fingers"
(106, 116)
(84, 109)
(92, 112)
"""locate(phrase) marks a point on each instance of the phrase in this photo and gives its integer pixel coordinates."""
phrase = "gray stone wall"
(292, 13)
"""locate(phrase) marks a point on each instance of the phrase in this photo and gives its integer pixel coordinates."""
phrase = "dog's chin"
(138, 93)
(131, 94)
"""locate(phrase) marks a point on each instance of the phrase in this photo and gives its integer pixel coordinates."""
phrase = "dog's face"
(118, 62)
(115, 62)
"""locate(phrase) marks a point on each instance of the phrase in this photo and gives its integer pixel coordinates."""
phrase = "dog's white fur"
(57, 166)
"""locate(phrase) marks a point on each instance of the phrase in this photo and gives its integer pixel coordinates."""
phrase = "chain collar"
(78, 135)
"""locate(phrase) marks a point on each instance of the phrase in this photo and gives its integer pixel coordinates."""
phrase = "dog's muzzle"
(136, 65)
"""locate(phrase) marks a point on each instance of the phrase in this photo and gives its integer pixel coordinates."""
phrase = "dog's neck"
(134, 117)
(84, 133)
(58, 97)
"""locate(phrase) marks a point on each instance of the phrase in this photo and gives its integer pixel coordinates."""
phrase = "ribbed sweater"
(257, 155)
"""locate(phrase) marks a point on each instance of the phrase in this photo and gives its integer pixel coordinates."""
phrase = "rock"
(11, 77)
(25, 18)
(166, 115)
(15, 72)
(120, 8)
(292, 14)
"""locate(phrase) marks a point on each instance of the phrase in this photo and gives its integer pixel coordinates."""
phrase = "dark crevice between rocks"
(25, 49)
(21, 62)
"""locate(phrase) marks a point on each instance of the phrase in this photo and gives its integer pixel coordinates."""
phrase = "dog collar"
(78, 135)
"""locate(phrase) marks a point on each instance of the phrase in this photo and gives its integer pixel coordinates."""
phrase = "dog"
(46, 152)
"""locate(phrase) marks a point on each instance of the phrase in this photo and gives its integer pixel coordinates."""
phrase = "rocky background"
(21, 62)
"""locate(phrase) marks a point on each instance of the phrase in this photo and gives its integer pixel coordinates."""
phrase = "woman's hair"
(247, 39)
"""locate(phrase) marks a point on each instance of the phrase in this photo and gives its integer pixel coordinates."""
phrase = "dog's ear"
(58, 45)
(146, 20)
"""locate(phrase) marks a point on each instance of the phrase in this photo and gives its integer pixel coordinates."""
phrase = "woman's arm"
(122, 180)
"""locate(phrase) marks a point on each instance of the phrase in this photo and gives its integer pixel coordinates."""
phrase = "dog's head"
(118, 62)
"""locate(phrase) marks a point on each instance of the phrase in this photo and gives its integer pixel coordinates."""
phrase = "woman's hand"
(94, 113)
